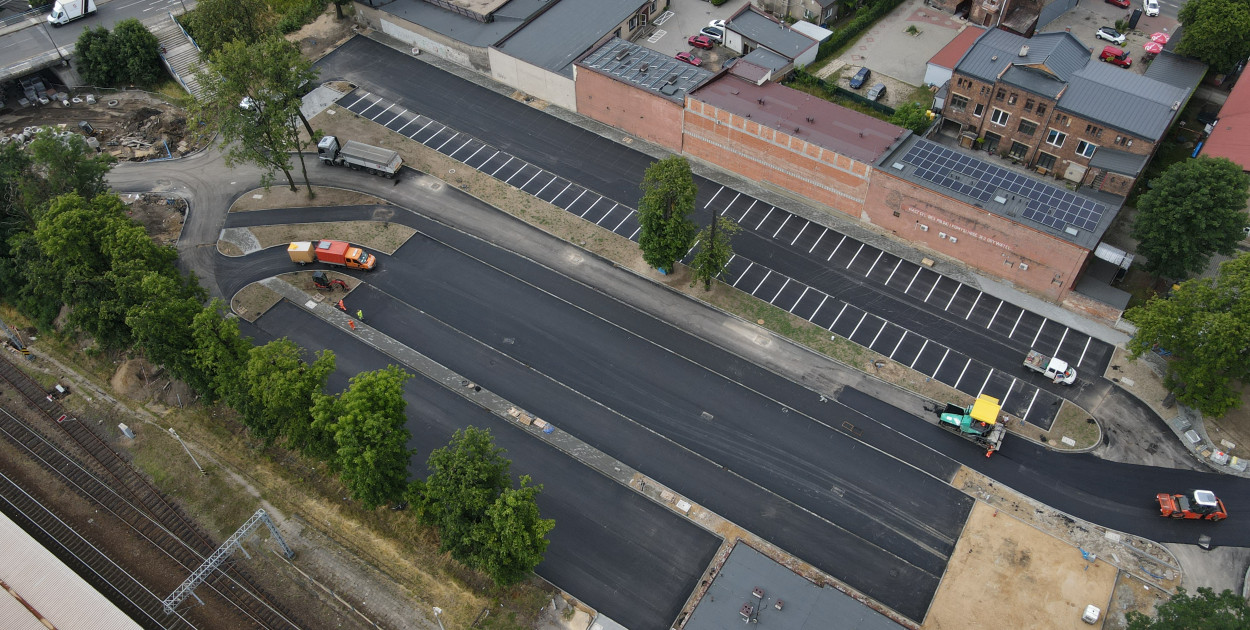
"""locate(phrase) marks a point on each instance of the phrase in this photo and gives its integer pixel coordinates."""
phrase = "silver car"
(876, 92)
(1111, 35)
(1151, 7)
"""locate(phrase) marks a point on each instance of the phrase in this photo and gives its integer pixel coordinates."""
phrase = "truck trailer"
(65, 11)
(977, 423)
(358, 156)
(339, 253)
(1054, 369)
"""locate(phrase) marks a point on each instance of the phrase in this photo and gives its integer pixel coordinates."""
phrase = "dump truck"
(357, 156)
(339, 253)
(977, 423)
(1054, 369)
(66, 11)
(1195, 504)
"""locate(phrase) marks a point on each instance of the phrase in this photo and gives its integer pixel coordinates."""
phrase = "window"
(985, 90)
(1028, 105)
(1000, 95)
(980, 109)
(959, 103)
(1085, 149)
(1018, 150)
(651, 9)
(633, 23)
(1093, 131)
(1045, 161)
(1061, 119)
(1056, 137)
(964, 83)
(1120, 140)
(1011, 100)
(1041, 109)
(1027, 127)
(999, 117)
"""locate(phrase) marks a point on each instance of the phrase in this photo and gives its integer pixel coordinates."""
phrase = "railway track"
(104, 478)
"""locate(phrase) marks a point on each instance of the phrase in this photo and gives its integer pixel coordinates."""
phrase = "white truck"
(357, 156)
(1056, 370)
(65, 11)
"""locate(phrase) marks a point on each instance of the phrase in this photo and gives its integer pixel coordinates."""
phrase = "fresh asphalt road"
(635, 560)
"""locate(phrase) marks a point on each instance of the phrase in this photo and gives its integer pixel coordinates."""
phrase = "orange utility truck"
(340, 253)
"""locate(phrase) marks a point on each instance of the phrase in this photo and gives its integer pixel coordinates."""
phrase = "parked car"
(857, 81)
(689, 58)
(1117, 56)
(1151, 7)
(715, 34)
(1111, 35)
(700, 41)
(876, 92)
(717, 24)
(1120, 3)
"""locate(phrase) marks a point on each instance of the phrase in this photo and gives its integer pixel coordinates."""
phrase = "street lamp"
(438, 611)
(54, 46)
(184, 447)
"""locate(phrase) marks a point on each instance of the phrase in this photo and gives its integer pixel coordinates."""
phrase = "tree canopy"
(280, 388)
(130, 55)
(668, 194)
(220, 353)
(1205, 610)
(215, 23)
(1217, 32)
(511, 539)
(913, 116)
(370, 439)
(715, 250)
(1205, 324)
(465, 478)
(1194, 209)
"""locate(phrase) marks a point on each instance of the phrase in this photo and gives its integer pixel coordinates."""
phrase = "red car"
(689, 58)
(700, 41)
(1120, 3)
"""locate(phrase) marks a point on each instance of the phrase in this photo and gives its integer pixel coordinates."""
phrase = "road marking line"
(583, 214)
(783, 288)
(709, 201)
(801, 296)
(553, 199)
(874, 263)
(1003, 402)
(1013, 328)
(783, 224)
(518, 172)
(466, 143)
(879, 331)
(414, 134)
(812, 318)
(766, 215)
(626, 218)
(861, 248)
(913, 279)
(913, 361)
(822, 235)
(940, 363)
(1066, 330)
(858, 324)
(930, 294)
(527, 182)
(961, 373)
(952, 300)
(995, 316)
(835, 320)
(744, 274)
(1030, 408)
(1087, 340)
(835, 249)
(579, 198)
(440, 147)
(757, 287)
(987, 382)
(388, 108)
(362, 97)
(731, 203)
(487, 160)
(744, 214)
(974, 304)
(605, 215)
(387, 124)
(900, 342)
(893, 271)
(510, 158)
(636, 231)
(796, 236)
(414, 119)
(696, 244)
(1039, 333)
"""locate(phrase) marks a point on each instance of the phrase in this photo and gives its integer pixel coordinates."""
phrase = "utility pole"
(438, 611)
(184, 447)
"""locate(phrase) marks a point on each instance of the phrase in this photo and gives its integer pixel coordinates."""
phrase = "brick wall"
(629, 108)
(1030, 259)
(769, 156)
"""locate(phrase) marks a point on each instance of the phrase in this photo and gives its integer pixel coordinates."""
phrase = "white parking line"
(961, 374)
(930, 294)
(952, 300)
(624, 219)
(744, 214)
(900, 342)
(822, 235)
(466, 143)
(861, 248)
(822, 305)
(1003, 402)
(913, 361)
(801, 296)
(995, 315)
(414, 119)
(766, 215)
(744, 274)
(579, 198)
(510, 158)
(1039, 333)
(939, 367)
(835, 249)
(879, 331)
(614, 206)
(974, 304)
(1013, 327)
(714, 195)
(835, 320)
(696, 244)
(796, 236)
(440, 147)
(636, 231)
(762, 281)
(731, 203)
(414, 134)
(549, 182)
(518, 172)
(783, 288)
(527, 182)
(388, 108)
(913, 280)
(987, 382)
(1078, 361)
(1026, 411)
(783, 224)
(858, 324)
(874, 263)
(894, 270)
(583, 214)
(1066, 330)
(393, 118)
(362, 97)
(479, 166)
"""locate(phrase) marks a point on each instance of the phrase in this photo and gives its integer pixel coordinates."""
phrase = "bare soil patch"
(382, 237)
(254, 300)
(138, 127)
(283, 197)
(161, 216)
(327, 32)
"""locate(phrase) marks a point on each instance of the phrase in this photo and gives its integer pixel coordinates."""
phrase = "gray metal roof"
(770, 34)
(1121, 99)
(1058, 54)
(645, 68)
(1175, 70)
(1117, 161)
(464, 29)
(1035, 81)
(805, 606)
(767, 59)
(559, 36)
(1080, 218)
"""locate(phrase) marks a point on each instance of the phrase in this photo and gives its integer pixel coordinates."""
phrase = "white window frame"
(981, 107)
(1090, 147)
(1063, 137)
(1000, 117)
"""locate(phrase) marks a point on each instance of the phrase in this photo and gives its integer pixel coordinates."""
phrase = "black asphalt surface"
(907, 312)
(636, 388)
(637, 561)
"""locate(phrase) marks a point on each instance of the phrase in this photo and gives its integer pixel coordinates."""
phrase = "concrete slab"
(888, 48)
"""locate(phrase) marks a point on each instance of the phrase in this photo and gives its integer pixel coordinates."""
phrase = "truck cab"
(1060, 372)
(65, 11)
(328, 149)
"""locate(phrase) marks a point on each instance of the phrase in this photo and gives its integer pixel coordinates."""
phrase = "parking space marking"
(995, 315)
(986, 382)
(913, 280)
(440, 147)
(796, 236)
(1013, 327)
(766, 215)
(510, 158)
(879, 331)
(974, 304)
(913, 361)
(757, 287)
(523, 167)
(894, 270)
(744, 274)
(961, 374)
(835, 249)
(783, 288)
(613, 209)
(926, 297)
(388, 108)
(553, 199)
(900, 342)
(861, 248)
(461, 147)
(731, 203)
(714, 195)
(1003, 402)
(958, 286)
(414, 119)
(1039, 333)
(857, 325)
(874, 263)
(1030, 407)
(783, 224)
(627, 216)
(822, 235)
(1087, 342)
(527, 182)
(583, 214)
(1066, 330)
(940, 363)
(393, 118)
(362, 97)
(744, 214)
(635, 233)
(801, 296)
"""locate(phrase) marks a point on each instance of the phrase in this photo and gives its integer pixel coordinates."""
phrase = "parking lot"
(1083, 20)
(683, 19)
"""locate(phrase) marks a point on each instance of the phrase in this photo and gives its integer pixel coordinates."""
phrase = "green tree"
(60, 165)
(161, 325)
(1205, 324)
(221, 354)
(511, 539)
(466, 477)
(1194, 209)
(317, 438)
(913, 116)
(715, 250)
(216, 23)
(138, 53)
(668, 194)
(1216, 32)
(371, 442)
(95, 58)
(1205, 610)
(280, 389)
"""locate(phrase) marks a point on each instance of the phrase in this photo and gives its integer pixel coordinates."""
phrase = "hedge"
(864, 19)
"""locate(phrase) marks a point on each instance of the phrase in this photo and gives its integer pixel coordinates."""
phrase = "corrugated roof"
(1175, 70)
(555, 39)
(51, 588)
(1125, 100)
(767, 59)
(833, 127)
(1059, 54)
(770, 33)
(509, 18)
(955, 50)
(1033, 80)
(645, 68)
(1230, 137)
(1117, 161)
